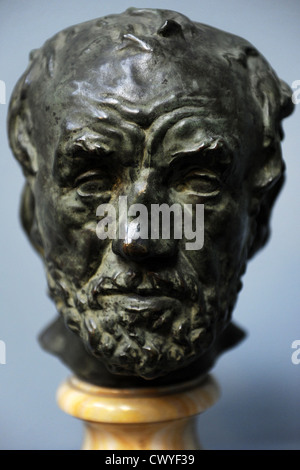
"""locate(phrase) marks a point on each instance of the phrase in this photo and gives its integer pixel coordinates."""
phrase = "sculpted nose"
(134, 241)
(140, 250)
(133, 249)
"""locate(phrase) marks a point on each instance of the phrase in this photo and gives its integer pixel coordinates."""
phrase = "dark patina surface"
(149, 105)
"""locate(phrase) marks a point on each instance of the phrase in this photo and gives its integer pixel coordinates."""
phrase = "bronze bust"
(150, 106)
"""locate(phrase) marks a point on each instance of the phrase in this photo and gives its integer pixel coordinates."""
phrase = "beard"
(143, 323)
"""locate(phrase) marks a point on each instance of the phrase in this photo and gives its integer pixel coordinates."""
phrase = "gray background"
(260, 406)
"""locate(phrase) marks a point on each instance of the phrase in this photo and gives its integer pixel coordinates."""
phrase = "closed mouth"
(160, 288)
(141, 294)
(133, 308)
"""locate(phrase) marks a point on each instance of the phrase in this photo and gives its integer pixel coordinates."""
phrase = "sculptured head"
(152, 106)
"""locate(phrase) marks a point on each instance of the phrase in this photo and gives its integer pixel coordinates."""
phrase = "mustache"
(149, 283)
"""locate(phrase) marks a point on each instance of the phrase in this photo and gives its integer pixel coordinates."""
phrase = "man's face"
(145, 307)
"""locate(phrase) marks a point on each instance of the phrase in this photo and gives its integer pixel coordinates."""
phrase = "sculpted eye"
(200, 183)
(93, 184)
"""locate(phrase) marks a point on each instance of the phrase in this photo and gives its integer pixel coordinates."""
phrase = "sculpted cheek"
(225, 242)
(227, 223)
(68, 230)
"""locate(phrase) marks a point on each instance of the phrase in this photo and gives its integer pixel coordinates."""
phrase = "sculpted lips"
(152, 299)
(147, 286)
(153, 312)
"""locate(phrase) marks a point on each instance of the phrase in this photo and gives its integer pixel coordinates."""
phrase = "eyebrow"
(209, 148)
(103, 134)
(87, 138)
(91, 146)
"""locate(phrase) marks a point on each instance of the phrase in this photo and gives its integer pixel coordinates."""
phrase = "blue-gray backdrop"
(260, 406)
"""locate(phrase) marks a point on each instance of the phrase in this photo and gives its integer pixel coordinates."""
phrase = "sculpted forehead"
(142, 57)
(148, 80)
(142, 88)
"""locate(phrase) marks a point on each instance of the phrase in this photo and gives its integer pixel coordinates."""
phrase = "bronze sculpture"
(152, 106)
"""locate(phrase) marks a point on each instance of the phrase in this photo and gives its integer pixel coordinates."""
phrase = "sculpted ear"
(20, 127)
(270, 171)
(20, 130)
(275, 99)
(286, 104)
(28, 218)
(20, 138)
(276, 104)
(266, 183)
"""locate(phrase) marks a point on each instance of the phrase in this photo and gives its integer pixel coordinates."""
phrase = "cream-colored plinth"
(160, 418)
